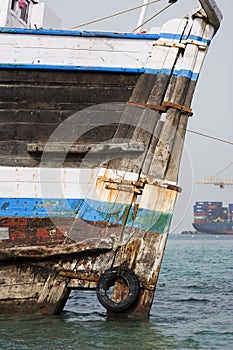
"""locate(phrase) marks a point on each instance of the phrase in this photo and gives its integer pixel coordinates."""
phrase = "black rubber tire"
(107, 279)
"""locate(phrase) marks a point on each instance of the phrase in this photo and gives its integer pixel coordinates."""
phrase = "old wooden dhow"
(92, 129)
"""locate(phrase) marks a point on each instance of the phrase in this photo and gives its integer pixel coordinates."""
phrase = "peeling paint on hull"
(89, 158)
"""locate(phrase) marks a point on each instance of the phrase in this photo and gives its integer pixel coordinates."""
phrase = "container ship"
(213, 218)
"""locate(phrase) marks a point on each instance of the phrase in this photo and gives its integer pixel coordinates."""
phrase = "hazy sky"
(213, 111)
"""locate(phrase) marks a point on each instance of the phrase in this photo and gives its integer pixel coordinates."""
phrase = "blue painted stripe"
(88, 210)
(70, 67)
(115, 213)
(33, 207)
(186, 73)
(198, 38)
(155, 71)
(79, 33)
(171, 36)
(121, 35)
(180, 37)
(183, 72)
(177, 73)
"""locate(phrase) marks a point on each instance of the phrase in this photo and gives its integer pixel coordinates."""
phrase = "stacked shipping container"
(230, 212)
(212, 212)
(200, 212)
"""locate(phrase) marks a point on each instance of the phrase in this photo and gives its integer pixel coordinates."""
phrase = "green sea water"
(193, 308)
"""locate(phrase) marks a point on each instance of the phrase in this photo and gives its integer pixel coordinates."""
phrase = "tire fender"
(107, 280)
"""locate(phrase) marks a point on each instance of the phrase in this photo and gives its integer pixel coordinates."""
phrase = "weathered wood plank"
(68, 94)
(41, 99)
(174, 162)
(151, 150)
(164, 147)
(156, 205)
(47, 77)
(88, 116)
(141, 126)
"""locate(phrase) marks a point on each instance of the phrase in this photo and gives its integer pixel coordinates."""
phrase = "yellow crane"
(215, 181)
(219, 182)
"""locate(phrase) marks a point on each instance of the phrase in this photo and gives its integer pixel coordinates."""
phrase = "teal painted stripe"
(150, 220)
(115, 213)
(88, 210)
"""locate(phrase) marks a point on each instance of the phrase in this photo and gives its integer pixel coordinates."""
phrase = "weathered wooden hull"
(40, 281)
(89, 156)
(35, 102)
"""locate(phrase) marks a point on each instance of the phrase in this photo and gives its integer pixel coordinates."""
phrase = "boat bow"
(92, 132)
(213, 13)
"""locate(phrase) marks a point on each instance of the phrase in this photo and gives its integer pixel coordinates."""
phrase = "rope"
(210, 137)
(220, 171)
(150, 19)
(115, 14)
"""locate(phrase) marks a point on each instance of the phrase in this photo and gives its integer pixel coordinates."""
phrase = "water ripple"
(192, 309)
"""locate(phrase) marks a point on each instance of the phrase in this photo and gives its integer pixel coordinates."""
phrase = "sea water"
(192, 309)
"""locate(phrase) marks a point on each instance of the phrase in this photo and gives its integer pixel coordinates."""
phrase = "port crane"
(219, 182)
(216, 181)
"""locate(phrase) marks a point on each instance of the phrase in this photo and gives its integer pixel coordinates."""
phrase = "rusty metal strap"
(164, 184)
(125, 188)
(122, 181)
(181, 108)
(136, 186)
(147, 105)
(122, 185)
(163, 107)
